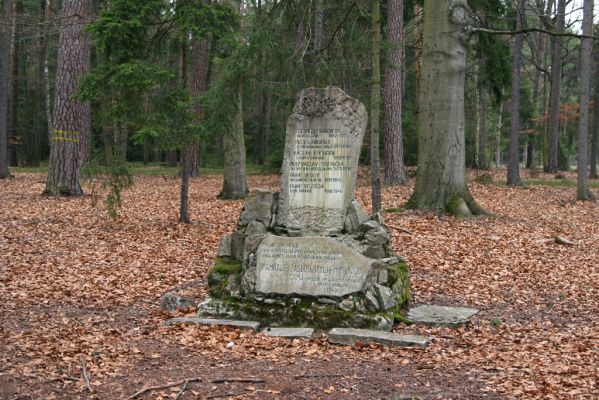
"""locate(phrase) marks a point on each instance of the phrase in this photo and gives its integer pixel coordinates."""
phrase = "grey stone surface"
(375, 251)
(322, 147)
(383, 277)
(237, 243)
(440, 315)
(224, 248)
(171, 302)
(356, 216)
(289, 332)
(370, 301)
(385, 297)
(253, 325)
(255, 228)
(378, 236)
(258, 206)
(350, 336)
(312, 266)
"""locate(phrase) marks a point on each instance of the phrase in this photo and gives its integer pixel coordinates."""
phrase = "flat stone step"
(289, 332)
(440, 315)
(253, 325)
(350, 336)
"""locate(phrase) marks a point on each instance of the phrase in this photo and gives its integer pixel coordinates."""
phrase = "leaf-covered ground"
(77, 288)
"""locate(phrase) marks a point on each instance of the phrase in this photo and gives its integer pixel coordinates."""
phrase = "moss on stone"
(218, 277)
(399, 282)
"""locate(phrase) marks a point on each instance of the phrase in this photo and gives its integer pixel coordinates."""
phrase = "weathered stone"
(312, 266)
(347, 304)
(380, 236)
(289, 332)
(171, 302)
(356, 216)
(441, 315)
(255, 228)
(369, 225)
(375, 252)
(322, 147)
(252, 325)
(224, 248)
(391, 260)
(384, 296)
(371, 302)
(237, 243)
(383, 277)
(350, 336)
(258, 207)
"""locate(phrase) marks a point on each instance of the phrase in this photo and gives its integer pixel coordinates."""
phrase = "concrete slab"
(253, 325)
(440, 315)
(350, 336)
(289, 332)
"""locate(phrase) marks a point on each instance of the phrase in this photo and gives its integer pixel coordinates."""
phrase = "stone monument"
(311, 255)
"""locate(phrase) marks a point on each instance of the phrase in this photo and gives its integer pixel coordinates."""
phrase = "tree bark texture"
(586, 48)
(556, 83)
(393, 97)
(71, 133)
(5, 39)
(513, 166)
(318, 25)
(199, 81)
(441, 178)
(595, 132)
(483, 140)
(13, 136)
(185, 169)
(375, 98)
(235, 180)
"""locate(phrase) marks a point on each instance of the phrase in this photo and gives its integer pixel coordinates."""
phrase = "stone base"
(281, 313)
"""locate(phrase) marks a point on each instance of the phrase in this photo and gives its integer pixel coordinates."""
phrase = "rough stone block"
(171, 302)
(289, 332)
(384, 296)
(252, 325)
(224, 248)
(255, 228)
(350, 336)
(356, 216)
(258, 207)
(440, 315)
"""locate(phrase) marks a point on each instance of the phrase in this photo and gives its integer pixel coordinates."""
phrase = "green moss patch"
(220, 275)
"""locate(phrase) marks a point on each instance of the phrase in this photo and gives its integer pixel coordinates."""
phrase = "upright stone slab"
(322, 147)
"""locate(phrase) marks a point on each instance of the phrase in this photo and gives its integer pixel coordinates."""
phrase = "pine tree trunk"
(441, 178)
(70, 116)
(5, 39)
(394, 166)
(556, 80)
(13, 136)
(583, 192)
(375, 98)
(595, 132)
(513, 166)
(498, 143)
(199, 82)
(483, 142)
(47, 91)
(318, 25)
(184, 204)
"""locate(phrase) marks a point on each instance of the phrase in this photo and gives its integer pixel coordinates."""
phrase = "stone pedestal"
(311, 255)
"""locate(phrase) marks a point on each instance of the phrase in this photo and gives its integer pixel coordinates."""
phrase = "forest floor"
(78, 288)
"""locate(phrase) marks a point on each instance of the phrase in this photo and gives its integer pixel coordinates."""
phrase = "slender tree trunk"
(417, 50)
(199, 83)
(318, 25)
(375, 97)
(556, 79)
(235, 181)
(47, 92)
(441, 183)
(70, 119)
(498, 144)
(184, 204)
(394, 166)
(483, 145)
(5, 39)
(586, 47)
(513, 167)
(13, 136)
(595, 132)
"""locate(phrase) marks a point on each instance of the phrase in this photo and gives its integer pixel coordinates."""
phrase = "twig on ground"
(220, 396)
(168, 385)
(84, 373)
(244, 380)
(318, 376)
(183, 389)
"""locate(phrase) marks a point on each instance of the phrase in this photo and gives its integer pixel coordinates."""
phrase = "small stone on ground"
(350, 336)
(289, 332)
(253, 325)
(440, 315)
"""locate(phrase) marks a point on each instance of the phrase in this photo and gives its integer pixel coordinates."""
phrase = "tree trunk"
(13, 136)
(318, 25)
(498, 143)
(513, 166)
(185, 169)
(556, 83)
(70, 116)
(235, 181)
(483, 142)
(199, 81)
(47, 91)
(583, 192)
(595, 133)
(375, 98)
(417, 50)
(5, 38)
(394, 166)
(441, 183)
(171, 158)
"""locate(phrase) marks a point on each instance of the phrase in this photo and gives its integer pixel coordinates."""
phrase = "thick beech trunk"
(556, 83)
(441, 183)
(70, 141)
(375, 98)
(513, 166)
(583, 192)
(5, 39)
(394, 166)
